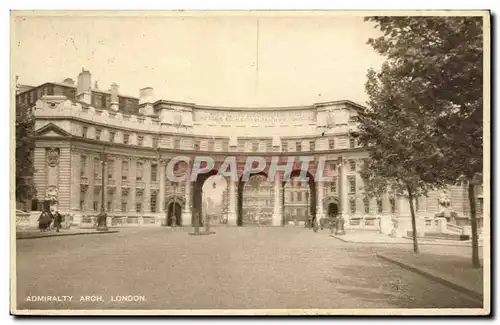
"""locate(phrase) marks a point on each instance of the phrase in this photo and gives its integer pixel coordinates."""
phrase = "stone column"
(343, 218)
(231, 211)
(118, 182)
(132, 183)
(161, 193)
(187, 213)
(277, 213)
(319, 201)
(147, 187)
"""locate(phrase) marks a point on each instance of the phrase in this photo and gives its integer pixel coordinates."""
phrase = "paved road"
(237, 268)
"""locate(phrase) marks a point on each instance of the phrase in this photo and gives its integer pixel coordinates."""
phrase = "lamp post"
(102, 216)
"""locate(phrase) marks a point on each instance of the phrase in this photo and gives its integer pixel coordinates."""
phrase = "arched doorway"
(332, 206)
(174, 209)
(299, 205)
(252, 208)
(333, 210)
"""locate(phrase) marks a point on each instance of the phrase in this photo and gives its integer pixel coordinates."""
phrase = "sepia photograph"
(250, 162)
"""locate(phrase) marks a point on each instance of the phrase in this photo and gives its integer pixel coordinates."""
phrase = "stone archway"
(174, 205)
(197, 196)
(331, 205)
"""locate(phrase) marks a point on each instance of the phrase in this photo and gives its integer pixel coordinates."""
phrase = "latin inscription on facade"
(266, 117)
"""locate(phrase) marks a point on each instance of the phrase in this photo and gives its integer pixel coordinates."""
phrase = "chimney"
(146, 99)
(83, 92)
(114, 96)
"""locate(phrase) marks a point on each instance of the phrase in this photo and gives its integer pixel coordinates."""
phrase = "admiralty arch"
(99, 148)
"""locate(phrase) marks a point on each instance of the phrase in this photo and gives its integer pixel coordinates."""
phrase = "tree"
(438, 65)
(25, 123)
(389, 128)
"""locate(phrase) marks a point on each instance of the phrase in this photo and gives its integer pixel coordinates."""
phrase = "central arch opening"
(255, 200)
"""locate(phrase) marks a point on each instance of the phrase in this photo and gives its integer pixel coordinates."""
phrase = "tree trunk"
(473, 221)
(413, 221)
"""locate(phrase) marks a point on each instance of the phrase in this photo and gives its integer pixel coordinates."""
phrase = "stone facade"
(78, 130)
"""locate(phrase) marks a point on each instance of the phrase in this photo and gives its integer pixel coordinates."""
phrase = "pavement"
(374, 237)
(258, 268)
(36, 233)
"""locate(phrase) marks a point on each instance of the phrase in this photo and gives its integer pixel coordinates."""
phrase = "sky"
(257, 60)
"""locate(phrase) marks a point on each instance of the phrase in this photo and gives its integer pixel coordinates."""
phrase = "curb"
(70, 234)
(403, 243)
(430, 275)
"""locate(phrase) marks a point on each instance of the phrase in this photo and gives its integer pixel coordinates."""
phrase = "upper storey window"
(312, 145)
(284, 146)
(177, 143)
(140, 140)
(255, 146)
(331, 144)
(98, 134)
(352, 143)
(298, 146)
(126, 138)
(84, 131)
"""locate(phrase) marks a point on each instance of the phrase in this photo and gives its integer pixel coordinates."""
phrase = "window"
(83, 165)
(352, 165)
(225, 146)
(366, 203)
(177, 143)
(155, 143)
(111, 168)
(154, 172)
(82, 205)
(291, 196)
(298, 146)
(84, 131)
(124, 170)
(393, 205)
(112, 136)
(284, 146)
(154, 197)
(333, 186)
(352, 205)
(197, 145)
(352, 143)
(307, 196)
(97, 170)
(96, 205)
(126, 138)
(138, 207)
(98, 134)
(333, 166)
(110, 205)
(140, 140)
(255, 146)
(379, 206)
(139, 171)
(210, 145)
(124, 206)
(312, 145)
(299, 196)
(352, 184)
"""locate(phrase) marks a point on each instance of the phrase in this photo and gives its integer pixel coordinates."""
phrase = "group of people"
(50, 218)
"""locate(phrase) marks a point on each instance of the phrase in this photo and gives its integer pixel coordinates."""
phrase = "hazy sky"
(285, 61)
